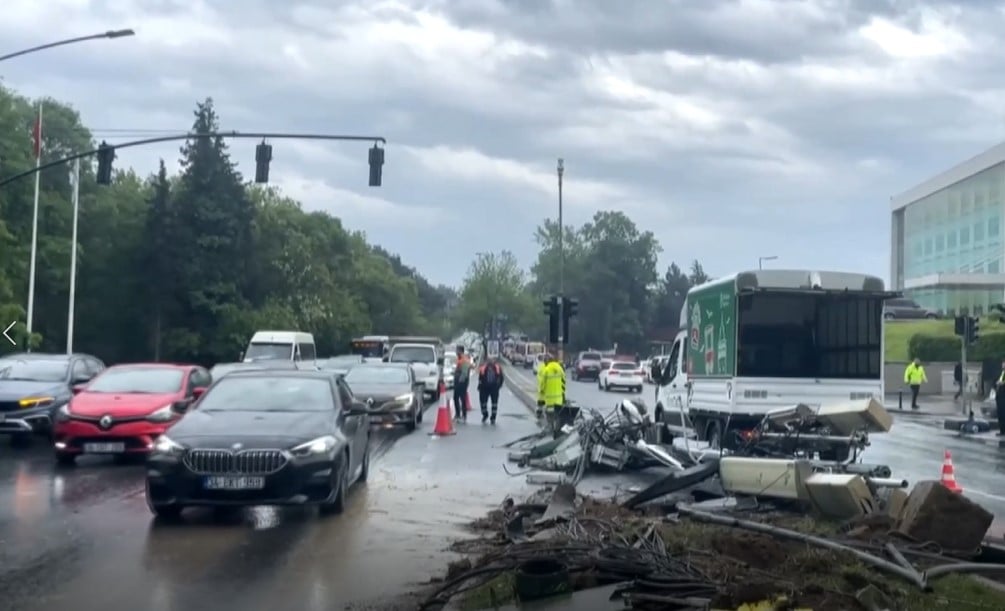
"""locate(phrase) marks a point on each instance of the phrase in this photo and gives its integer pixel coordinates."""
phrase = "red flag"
(37, 134)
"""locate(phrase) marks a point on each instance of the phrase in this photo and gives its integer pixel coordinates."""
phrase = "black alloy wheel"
(340, 483)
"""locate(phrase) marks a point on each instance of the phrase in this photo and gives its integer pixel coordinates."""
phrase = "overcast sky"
(731, 129)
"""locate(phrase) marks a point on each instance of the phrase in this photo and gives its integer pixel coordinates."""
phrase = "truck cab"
(757, 341)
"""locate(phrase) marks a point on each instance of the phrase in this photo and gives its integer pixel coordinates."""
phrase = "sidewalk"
(929, 405)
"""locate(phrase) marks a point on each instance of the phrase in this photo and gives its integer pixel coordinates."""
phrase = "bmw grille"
(244, 462)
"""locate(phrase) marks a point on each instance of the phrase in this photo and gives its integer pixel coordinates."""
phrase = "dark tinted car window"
(377, 375)
(36, 370)
(590, 356)
(267, 393)
(149, 380)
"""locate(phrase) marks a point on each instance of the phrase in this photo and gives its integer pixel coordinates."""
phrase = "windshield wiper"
(22, 379)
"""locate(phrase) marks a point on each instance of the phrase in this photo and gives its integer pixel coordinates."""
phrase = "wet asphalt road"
(913, 449)
(83, 538)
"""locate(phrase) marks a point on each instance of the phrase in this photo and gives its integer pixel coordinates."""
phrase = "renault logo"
(105, 422)
(236, 447)
(369, 401)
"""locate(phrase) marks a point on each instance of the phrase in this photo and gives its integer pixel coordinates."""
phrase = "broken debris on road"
(712, 555)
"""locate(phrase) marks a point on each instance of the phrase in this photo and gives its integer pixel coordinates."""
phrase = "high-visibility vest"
(551, 385)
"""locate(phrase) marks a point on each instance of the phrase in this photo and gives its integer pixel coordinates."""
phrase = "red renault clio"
(125, 409)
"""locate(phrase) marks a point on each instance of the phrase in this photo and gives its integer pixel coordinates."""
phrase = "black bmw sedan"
(266, 437)
(390, 390)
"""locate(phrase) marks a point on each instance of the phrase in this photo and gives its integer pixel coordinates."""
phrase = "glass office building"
(947, 247)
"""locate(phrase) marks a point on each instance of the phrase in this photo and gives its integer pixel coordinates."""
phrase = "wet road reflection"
(83, 537)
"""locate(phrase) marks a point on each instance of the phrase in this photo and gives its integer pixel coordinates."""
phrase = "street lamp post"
(70, 41)
(761, 260)
(561, 267)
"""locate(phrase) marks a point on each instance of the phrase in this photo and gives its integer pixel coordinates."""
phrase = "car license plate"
(234, 483)
(104, 448)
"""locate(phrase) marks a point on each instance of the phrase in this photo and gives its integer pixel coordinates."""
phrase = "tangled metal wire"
(599, 547)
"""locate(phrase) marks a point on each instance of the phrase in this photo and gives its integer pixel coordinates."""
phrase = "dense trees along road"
(185, 268)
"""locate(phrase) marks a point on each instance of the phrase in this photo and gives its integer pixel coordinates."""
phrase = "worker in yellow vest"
(914, 376)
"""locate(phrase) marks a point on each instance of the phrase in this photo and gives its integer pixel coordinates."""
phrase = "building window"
(994, 227)
(928, 246)
(940, 243)
(965, 236)
(978, 232)
(951, 239)
(993, 267)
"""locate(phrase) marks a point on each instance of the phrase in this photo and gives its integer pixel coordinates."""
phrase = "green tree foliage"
(495, 288)
(611, 267)
(187, 267)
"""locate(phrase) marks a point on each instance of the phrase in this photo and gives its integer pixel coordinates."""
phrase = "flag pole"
(73, 257)
(34, 227)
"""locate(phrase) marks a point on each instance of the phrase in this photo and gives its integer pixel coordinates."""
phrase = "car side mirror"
(180, 407)
(386, 359)
(439, 361)
(78, 388)
(198, 391)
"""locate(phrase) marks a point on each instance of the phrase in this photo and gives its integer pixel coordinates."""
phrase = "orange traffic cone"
(949, 474)
(444, 423)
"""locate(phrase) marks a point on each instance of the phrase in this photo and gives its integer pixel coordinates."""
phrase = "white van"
(282, 345)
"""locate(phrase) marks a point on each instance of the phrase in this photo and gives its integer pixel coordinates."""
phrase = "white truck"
(761, 340)
(426, 361)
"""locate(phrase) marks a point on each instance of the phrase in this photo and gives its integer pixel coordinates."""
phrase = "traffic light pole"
(194, 136)
(963, 367)
(561, 269)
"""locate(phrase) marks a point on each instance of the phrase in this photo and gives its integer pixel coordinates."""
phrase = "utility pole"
(561, 265)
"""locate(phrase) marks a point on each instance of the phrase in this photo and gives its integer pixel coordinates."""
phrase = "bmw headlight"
(315, 447)
(167, 446)
(63, 414)
(164, 414)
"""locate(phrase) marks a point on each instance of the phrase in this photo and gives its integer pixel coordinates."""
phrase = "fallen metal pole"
(887, 482)
(910, 576)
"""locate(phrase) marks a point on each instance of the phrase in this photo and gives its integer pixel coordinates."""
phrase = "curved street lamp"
(761, 260)
(70, 41)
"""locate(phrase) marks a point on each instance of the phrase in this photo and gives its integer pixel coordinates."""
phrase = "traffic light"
(263, 156)
(551, 310)
(960, 326)
(376, 165)
(570, 308)
(973, 330)
(106, 154)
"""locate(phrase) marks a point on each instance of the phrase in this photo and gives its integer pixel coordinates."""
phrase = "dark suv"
(587, 366)
(33, 386)
(905, 309)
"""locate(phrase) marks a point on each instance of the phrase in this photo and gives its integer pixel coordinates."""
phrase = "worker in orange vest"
(490, 381)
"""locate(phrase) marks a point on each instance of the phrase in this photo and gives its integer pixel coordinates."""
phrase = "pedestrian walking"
(490, 381)
(550, 389)
(462, 376)
(914, 376)
(1000, 401)
(958, 379)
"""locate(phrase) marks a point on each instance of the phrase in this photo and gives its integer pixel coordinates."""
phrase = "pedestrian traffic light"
(973, 330)
(570, 308)
(263, 156)
(376, 165)
(106, 154)
(551, 310)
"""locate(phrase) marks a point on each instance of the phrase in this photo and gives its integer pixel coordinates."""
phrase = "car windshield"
(623, 366)
(590, 356)
(141, 380)
(412, 354)
(450, 360)
(34, 370)
(259, 351)
(376, 375)
(268, 393)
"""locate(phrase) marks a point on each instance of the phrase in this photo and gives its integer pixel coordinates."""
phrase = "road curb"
(509, 373)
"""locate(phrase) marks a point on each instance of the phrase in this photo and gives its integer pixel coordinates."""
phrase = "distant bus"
(371, 347)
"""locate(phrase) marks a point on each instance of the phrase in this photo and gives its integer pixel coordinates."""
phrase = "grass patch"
(898, 334)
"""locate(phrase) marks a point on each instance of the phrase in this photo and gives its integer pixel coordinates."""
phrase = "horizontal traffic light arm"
(193, 136)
